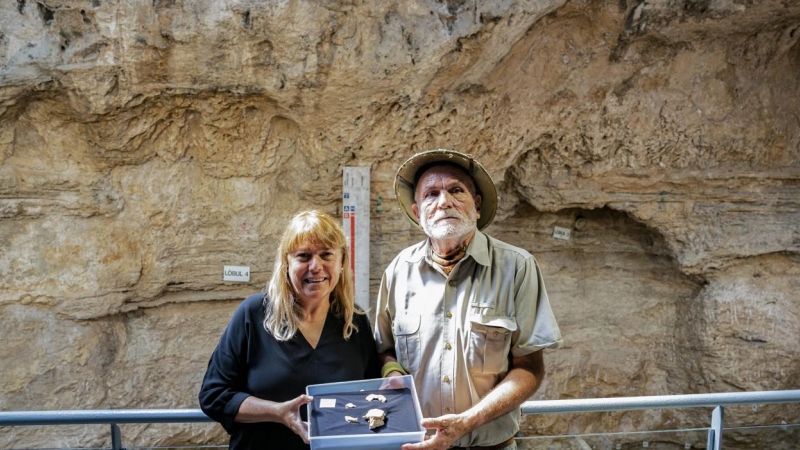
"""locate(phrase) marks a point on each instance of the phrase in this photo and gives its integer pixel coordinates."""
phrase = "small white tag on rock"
(561, 233)
(236, 273)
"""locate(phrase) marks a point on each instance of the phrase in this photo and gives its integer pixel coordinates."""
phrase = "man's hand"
(522, 380)
(449, 429)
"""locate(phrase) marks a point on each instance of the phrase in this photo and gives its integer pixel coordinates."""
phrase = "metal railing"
(717, 401)
(112, 417)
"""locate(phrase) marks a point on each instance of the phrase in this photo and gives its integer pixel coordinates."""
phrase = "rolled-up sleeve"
(537, 328)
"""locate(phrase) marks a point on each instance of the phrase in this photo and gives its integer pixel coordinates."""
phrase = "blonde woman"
(304, 330)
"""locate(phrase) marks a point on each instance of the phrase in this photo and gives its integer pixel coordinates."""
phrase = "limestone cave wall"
(145, 144)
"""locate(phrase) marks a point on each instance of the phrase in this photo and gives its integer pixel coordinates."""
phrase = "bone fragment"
(376, 418)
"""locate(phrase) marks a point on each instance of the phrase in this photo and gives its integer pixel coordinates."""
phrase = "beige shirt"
(454, 333)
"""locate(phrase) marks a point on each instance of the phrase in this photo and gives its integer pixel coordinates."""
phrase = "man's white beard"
(449, 229)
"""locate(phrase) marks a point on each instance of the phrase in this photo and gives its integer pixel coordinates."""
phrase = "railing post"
(715, 432)
(116, 437)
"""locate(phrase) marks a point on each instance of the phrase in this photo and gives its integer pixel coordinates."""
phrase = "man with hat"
(466, 314)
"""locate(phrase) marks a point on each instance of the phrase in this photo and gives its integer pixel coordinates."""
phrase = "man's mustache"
(446, 215)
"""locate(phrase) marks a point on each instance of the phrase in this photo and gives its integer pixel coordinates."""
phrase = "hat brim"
(407, 173)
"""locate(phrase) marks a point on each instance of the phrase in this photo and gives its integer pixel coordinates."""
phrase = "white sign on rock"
(562, 233)
(236, 273)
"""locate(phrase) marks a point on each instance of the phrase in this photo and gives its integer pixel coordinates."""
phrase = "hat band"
(405, 183)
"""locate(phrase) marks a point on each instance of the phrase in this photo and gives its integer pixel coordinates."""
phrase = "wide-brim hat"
(408, 173)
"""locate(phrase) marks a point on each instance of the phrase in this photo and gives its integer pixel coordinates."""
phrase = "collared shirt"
(455, 333)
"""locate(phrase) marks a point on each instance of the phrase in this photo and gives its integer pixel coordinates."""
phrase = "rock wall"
(145, 144)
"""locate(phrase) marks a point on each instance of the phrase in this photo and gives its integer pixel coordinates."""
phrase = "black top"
(249, 361)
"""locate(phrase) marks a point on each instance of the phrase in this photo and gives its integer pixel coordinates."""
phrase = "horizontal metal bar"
(659, 402)
(108, 416)
(102, 416)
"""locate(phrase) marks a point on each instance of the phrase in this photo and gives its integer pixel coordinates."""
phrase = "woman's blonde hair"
(283, 313)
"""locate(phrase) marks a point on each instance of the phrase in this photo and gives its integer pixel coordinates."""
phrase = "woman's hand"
(289, 412)
(393, 381)
(253, 410)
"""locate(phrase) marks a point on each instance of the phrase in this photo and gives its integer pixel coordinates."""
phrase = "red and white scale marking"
(355, 221)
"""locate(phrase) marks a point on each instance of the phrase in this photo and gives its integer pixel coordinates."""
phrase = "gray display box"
(322, 439)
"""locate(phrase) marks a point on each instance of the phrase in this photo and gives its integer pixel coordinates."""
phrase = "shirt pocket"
(406, 331)
(489, 344)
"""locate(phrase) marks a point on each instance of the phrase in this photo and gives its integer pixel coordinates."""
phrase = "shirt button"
(447, 409)
(495, 333)
(449, 314)
(447, 346)
(446, 379)
(452, 282)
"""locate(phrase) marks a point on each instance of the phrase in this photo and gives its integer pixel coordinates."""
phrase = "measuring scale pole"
(355, 221)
